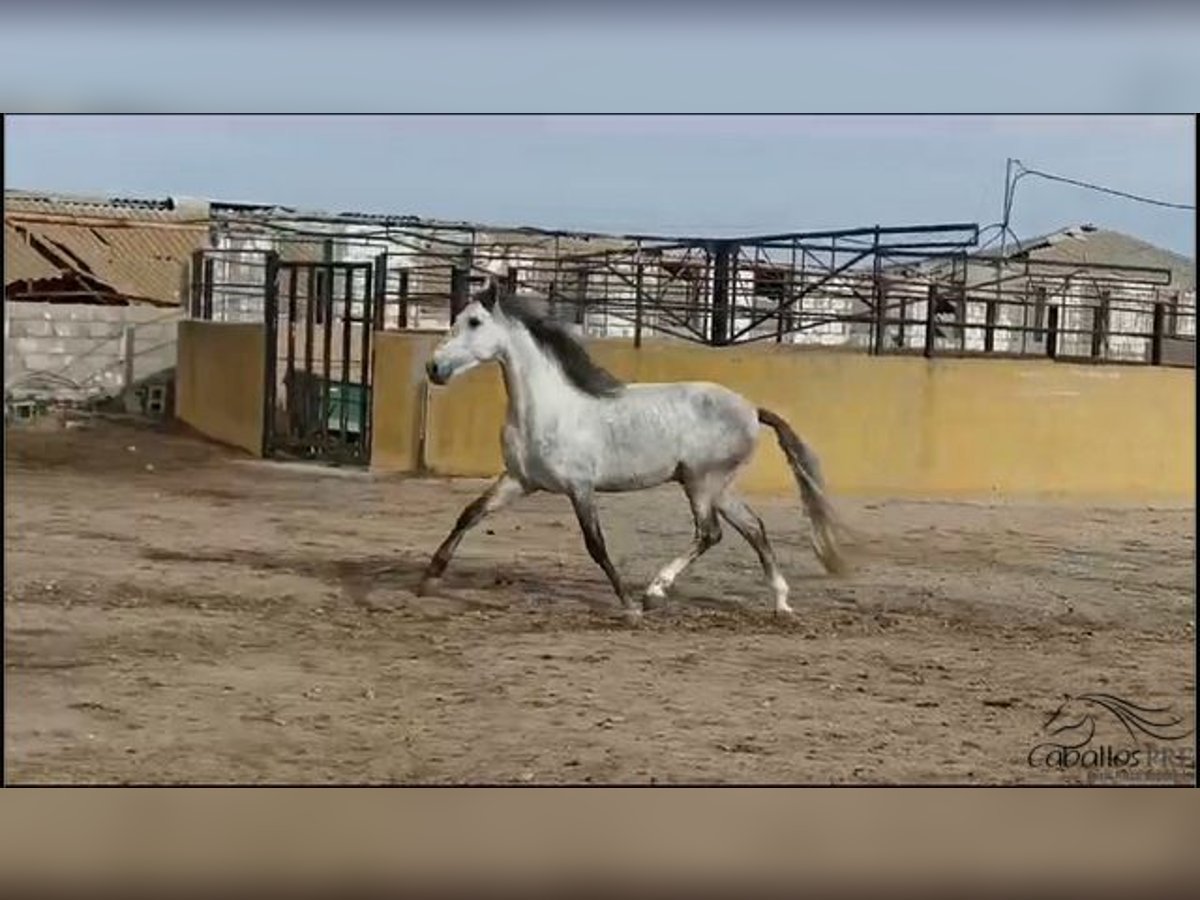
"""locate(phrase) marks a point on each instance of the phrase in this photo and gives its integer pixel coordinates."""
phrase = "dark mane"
(548, 334)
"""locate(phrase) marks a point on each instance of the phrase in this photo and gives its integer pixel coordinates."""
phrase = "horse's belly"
(636, 458)
(615, 480)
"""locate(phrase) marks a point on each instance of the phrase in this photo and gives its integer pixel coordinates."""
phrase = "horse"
(572, 428)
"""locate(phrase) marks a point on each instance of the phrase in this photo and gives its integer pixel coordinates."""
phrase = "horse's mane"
(561, 345)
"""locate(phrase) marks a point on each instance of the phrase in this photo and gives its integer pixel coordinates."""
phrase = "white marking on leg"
(664, 579)
(700, 497)
(780, 587)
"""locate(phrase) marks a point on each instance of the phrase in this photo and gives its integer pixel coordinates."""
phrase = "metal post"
(720, 294)
(795, 311)
(1156, 339)
(960, 314)
(270, 349)
(637, 312)
(379, 296)
(1099, 325)
(581, 294)
(327, 254)
(877, 296)
(1024, 317)
(556, 280)
(197, 282)
(460, 288)
(510, 279)
(1001, 259)
(789, 291)
(289, 376)
(783, 297)
(206, 300)
(735, 255)
(311, 304)
(328, 282)
(930, 314)
(989, 325)
(370, 293)
(403, 291)
(347, 328)
(1052, 332)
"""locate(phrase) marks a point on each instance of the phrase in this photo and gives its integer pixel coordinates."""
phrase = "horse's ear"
(490, 293)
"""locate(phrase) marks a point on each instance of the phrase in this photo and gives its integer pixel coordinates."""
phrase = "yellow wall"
(899, 426)
(219, 382)
(398, 391)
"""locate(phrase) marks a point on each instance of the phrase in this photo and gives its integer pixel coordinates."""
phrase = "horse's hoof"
(632, 616)
(428, 586)
(654, 599)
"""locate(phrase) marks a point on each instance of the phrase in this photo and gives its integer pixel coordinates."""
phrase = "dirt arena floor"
(176, 613)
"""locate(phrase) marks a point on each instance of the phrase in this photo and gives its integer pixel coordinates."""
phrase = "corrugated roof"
(1087, 244)
(21, 260)
(167, 209)
(128, 250)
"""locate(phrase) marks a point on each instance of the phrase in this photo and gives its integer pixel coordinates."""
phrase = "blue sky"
(689, 174)
(708, 175)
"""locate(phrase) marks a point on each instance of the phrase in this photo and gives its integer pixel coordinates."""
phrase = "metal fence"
(909, 289)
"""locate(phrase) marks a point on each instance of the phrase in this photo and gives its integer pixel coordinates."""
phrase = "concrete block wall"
(77, 351)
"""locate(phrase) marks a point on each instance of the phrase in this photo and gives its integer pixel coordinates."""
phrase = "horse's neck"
(538, 392)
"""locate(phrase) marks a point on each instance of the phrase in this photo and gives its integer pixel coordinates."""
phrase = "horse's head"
(476, 337)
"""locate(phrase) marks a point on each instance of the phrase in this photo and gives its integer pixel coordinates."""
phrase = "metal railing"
(908, 289)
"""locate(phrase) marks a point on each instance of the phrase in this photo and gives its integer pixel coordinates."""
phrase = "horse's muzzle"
(434, 373)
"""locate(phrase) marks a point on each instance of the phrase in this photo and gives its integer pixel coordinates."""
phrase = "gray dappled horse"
(574, 429)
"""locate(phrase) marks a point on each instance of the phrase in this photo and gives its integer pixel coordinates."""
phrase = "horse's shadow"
(390, 584)
(680, 599)
(467, 586)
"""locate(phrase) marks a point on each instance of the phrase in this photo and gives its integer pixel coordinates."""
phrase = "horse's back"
(702, 425)
(713, 403)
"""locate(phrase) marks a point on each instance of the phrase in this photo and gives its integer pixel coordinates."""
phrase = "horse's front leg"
(589, 521)
(503, 491)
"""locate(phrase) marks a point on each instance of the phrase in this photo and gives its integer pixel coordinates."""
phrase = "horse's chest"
(548, 458)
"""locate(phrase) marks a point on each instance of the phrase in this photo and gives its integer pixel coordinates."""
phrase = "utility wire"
(1098, 187)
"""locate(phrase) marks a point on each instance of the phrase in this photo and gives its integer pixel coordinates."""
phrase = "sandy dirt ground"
(176, 613)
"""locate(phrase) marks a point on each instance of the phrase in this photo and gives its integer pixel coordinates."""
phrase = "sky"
(671, 175)
(696, 175)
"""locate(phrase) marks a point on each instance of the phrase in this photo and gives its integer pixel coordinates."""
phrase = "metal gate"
(319, 320)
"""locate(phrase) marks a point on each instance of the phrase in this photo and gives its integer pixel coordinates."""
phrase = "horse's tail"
(807, 469)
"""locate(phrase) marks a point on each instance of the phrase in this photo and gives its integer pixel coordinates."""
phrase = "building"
(1102, 285)
(93, 289)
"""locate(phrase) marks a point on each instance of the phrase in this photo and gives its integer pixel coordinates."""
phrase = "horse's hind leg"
(701, 494)
(737, 513)
(503, 491)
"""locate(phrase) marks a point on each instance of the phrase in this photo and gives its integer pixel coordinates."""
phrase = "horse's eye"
(473, 322)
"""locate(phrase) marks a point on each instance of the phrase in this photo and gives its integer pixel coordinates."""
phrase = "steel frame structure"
(879, 289)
